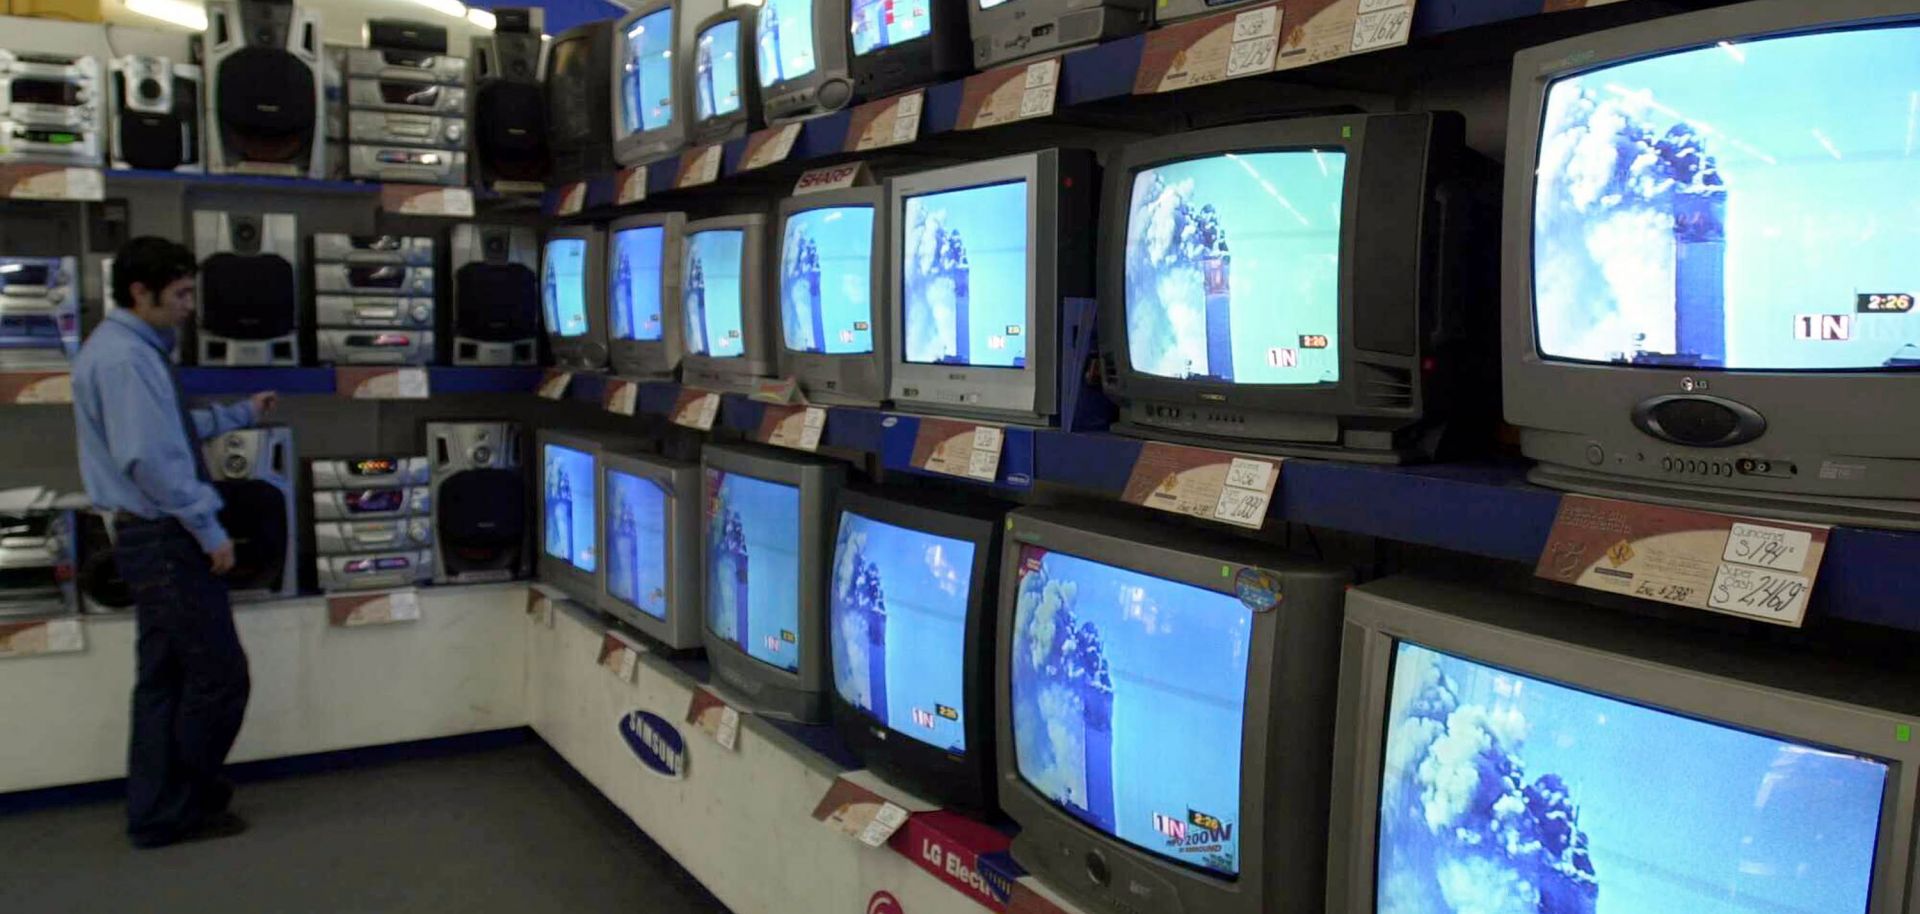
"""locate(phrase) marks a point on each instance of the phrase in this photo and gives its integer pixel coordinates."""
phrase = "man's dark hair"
(151, 261)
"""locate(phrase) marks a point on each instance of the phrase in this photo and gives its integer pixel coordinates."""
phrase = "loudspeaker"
(156, 114)
(479, 488)
(509, 107)
(249, 291)
(253, 469)
(265, 94)
(496, 295)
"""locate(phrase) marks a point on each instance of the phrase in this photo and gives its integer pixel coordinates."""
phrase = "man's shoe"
(219, 796)
(223, 825)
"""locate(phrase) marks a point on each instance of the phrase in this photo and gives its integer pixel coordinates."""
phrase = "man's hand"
(222, 557)
(263, 404)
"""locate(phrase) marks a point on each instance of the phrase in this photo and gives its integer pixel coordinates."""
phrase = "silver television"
(650, 100)
(801, 58)
(832, 274)
(723, 303)
(650, 511)
(643, 293)
(573, 296)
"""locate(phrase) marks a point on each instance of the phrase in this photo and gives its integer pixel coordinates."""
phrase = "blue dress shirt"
(134, 456)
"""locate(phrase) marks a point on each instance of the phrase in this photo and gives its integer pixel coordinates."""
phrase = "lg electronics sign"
(884, 903)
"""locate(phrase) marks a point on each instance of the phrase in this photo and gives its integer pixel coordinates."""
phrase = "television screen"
(716, 60)
(990, 4)
(785, 40)
(1743, 206)
(646, 86)
(753, 566)
(637, 542)
(569, 506)
(1497, 786)
(711, 290)
(826, 280)
(880, 24)
(564, 295)
(1257, 229)
(637, 256)
(898, 625)
(954, 314)
(1128, 695)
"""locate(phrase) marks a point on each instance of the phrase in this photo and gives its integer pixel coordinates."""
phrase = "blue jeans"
(192, 689)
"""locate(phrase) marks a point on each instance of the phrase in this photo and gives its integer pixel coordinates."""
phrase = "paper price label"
(1219, 47)
(51, 182)
(28, 388)
(426, 200)
(620, 657)
(1042, 85)
(1199, 482)
(1768, 547)
(573, 199)
(1241, 507)
(539, 607)
(956, 448)
(554, 384)
(861, 806)
(797, 427)
(1758, 592)
(906, 119)
(885, 122)
(778, 391)
(621, 397)
(1382, 28)
(355, 610)
(770, 146)
(630, 186)
(696, 409)
(698, 166)
(885, 822)
(710, 714)
(727, 731)
(52, 636)
(1009, 94)
(984, 463)
(381, 383)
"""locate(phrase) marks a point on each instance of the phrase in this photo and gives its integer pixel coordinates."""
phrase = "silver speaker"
(479, 495)
(253, 470)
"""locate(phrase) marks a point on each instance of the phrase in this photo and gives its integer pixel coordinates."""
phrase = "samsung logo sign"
(656, 742)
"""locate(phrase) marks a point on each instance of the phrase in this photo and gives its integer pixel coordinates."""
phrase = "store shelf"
(214, 382)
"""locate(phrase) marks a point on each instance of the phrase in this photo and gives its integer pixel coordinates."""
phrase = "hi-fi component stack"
(39, 311)
(372, 527)
(373, 299)
(406, 104)
(50, 111)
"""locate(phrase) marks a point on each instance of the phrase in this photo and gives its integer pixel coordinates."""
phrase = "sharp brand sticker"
(656, 742)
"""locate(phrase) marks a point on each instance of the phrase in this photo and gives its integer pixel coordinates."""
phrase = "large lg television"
(643, 290)
(900, 44)
(1009, 30)
(723, 298)
(651, 537)
(579, 79)
(1163, 719)
(726, 103)
(1498, 752)
(765, 533)
(833, 340)
(650, 108)
(1294, 287)
(1707, 298)
(571, 296)
(569, 556)
(910, 623)
(801, 57)
(980, 257)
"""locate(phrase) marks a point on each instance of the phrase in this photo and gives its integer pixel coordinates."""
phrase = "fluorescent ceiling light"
(482, 18)
(178, 12)
(453, 8)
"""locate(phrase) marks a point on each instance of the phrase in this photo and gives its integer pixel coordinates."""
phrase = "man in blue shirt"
(141, 460)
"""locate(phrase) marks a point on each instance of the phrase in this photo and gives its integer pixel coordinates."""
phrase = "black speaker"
(264, 92)
(253, 470)
(479, 498)
(156, 114)
(496, 295)
(509, 115)
(100, 581)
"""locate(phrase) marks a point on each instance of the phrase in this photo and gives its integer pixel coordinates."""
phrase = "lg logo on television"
(884, 903)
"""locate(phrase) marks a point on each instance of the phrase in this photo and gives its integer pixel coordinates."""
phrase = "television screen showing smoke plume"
(964, 280)
(826, 280)
(563, 293)
(753, 566)
(898, 620)
(1504, 793)
(569, 505)
(1233, 268)
(710, 293)
(635, 283)
(1129, 698)
(1747, 205)
(637, 542)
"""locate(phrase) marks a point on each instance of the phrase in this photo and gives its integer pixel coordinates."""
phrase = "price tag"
(539, 606)
(696, 409)
(886, 821)
(711, 714)
(861, 806)
(621, 397)
(26, 388)
(620, 657)
(1208, 50)
(426, 200)
(956, 448)
(1381, 25)
(1198, 482)
(381, 383)
(778, 391)
(984, 462)
(770, 146)
(698, 166)
(554, 384)
(630, 185)
(885, 122)
(906, 117)
(49, 636)
(573, 199)
(1009, 94)
(1043, 83)
(1763, 570)
(51, 182)
(797, 427)
(355, 610)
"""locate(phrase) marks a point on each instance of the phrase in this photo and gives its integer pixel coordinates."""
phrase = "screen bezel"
(639, 147)
(722, 127)
(1540, 638)
(681, 481)
(644, 358)
(832, 41)
(850, 378)
(588, 351)
(583, 586)
(756, 359)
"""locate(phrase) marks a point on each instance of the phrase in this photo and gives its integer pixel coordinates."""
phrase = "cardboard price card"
(25, 388)
(711, 714)
(797, 427)
(1197, 482)
(696, 409)
(381, 383)
(630, 185)
(778, 391)
(427, 200)
(891, 121)
(573, 199)
(48, 636)
(1760, 569)
(51, 182)
(621, 397)
(698, 166)
(770, 146)
(1009, 94)
(1210, 49)
(862, 807)
(554, 384)
(956, 448)
(540, 606)
(357, 609)
(620, 656)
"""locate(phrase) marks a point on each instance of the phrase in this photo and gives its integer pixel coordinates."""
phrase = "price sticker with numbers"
(696, 409)
(1198, 482)
(1207, 50)
(1761, 569)
(698, 166)
(621, 397)
(1009, 94)
(956, 448)
(712, 715)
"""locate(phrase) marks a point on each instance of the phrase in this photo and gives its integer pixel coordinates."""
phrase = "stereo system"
(253, 471)
(479, 497)
(50, 110)
(155, 114)
(37, 562)
(249, 289)
(509, 106)
(496, 295)
(373, 302)
(371, 526)
(264, 89)
(405, 106)
(39, 311)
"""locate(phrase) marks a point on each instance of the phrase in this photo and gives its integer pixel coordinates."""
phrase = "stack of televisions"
(1701, 308)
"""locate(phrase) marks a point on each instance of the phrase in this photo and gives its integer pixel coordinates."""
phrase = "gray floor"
(508, 830)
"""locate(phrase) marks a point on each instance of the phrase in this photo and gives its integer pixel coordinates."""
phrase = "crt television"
(571, 296)
(643, 287)
(650, 109)
(801, 57)
(1009, 30)
(650, 509)
(1490, 743)
(723, 300)
(1708, 299)
(726, 103)
(910, 624)
(766, 527)
(569, 555)
(900, 44)
(579, 77)
(832, 338)
(1290, 286)
(980, 257)
(1164, 728)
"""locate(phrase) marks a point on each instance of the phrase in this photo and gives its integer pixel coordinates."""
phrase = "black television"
(900, 44)
(579, 77)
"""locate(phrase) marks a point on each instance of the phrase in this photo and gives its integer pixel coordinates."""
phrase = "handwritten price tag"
(984, 463)
(1198, 482)
(355, 610)
(51, 182)
(1768, 547)
(620, 657)
(426, 200)
(381, 383)
(573, 199)
(1385, 26)
(770, 146)
(906, 117)
(698, 166)
(53, 636)
(696, 409)
(1757, 592)
(631, 184)
(621, 397)
(554, 384)
(712, 715)
(1009, 94)
(797, 427)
